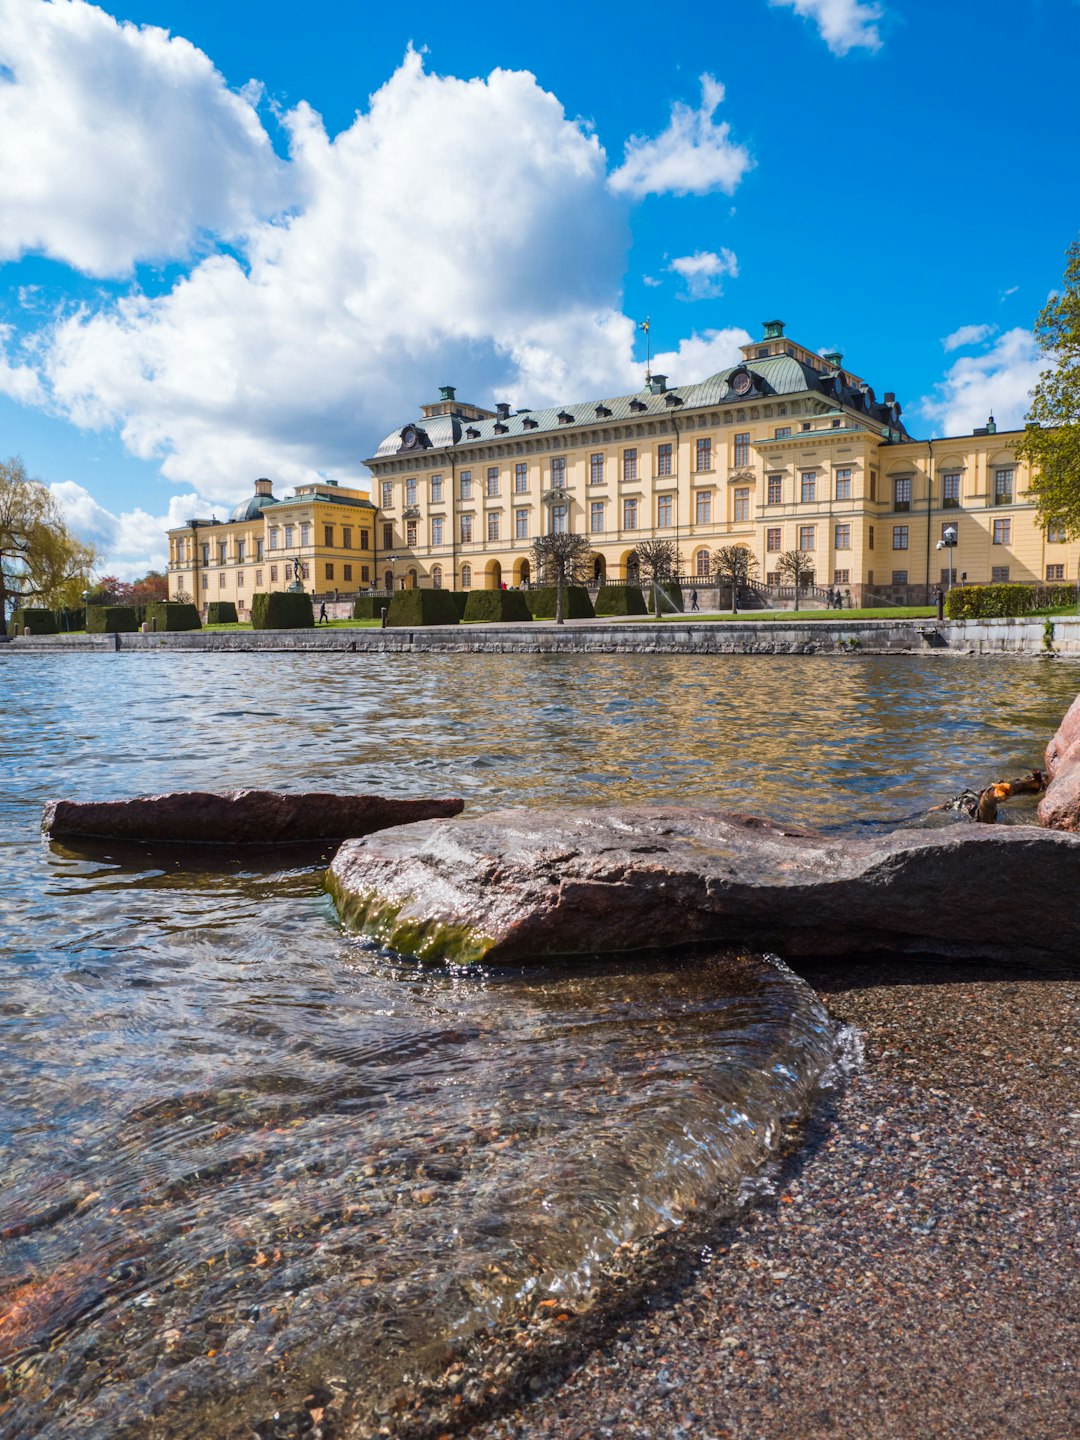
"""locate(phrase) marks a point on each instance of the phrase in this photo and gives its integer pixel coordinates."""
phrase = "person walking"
(693, 600)
(324, 619)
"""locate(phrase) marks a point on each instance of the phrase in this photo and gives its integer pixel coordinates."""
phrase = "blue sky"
(250, 239)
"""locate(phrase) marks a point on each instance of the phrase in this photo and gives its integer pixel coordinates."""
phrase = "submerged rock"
(520, 885)
(239, 817)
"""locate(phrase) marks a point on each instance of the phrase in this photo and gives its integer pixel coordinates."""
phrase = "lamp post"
(86, 609)
(948, 542)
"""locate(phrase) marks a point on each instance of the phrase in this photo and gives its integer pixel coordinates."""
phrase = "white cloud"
(998, 382)
(18, 381)
(700, 356)
(128, 544)
(968, 335)
(130, 145)
(704, 272)
(1010, 291)
(651, 281)
(693, 156)
(845, 25)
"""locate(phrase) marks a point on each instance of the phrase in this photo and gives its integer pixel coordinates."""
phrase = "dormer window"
(638, 405)
(565, 418)
(602, 411)
(672, 399)
(530, 424)
(472, 433)
(501, 429)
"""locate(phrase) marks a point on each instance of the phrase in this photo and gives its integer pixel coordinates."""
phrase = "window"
(842, 537)
(466, 484)
(1002, 532)
(663, 511)
(466, 577)
(273, 574)
(902, 492)
(493, 480)
(703, 454)
(221, 581)
(206, 551)
(663, 460)
(772, 539)
(346, 573)
(999, 574)
(596, 469)
(221, 552)
(742, 449)
(329, 571)
(1055, 535)
(742, 503)
(899, 577)
(436, 489)
(772, 577)
(346, 537)
(596, 516)
(629, 464)
(328, 536)
(206, 582)
(387, 494)
(947, 577)
(436, 530)
(365, 574)
(305, 532)
(558, 472)
(629, 514)
(557, 520)
(782, 432)
(410, 533)
(493, 525)
(702, 564)
(775, 491)
(843, 484)
(806, 537)
(521, 477)
(1055, 572)
(809, 485)
(436, 577)
(363, 539)
(703, 507)
(387, 537)
(873, 484)
(899, 537)
(305, 571)
(1003, 486)
(239, 579)
(950, 489)
(258, 579)
(841, 577)
(521, 524)
(466, 528)
(241, 548)
(410, 490)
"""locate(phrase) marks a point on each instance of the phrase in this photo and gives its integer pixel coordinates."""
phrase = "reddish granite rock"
(1059, 808)
(521, 885)
(239, 817)
(1067, 736)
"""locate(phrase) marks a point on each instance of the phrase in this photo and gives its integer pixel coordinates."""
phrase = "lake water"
(245, 1154)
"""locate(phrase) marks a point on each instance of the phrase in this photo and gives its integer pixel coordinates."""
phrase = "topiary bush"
(576, 602)
(282, 610)
(620, 600)
(422, 607)
(174, 615)
(221, 612)
(460, 599)
(111, 619)
(497, 605)
(369, 607)
(672, 590)
(70, 617)
(997, 602)
(38, 622)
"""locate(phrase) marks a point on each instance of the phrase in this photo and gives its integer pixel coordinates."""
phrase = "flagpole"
(646, 326)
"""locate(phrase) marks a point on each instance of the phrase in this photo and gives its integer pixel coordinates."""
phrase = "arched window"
(703, 565)
(388, 581)
(436, 577)
(466, 577)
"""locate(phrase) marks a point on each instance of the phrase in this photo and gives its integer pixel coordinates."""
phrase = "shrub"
(173, 615)
(221, 612)
(422, 607)
(576, 602)
(995, 602)
(38, 622)
(460, 599)
(111, 619)
(70, 617)
(369, 607)
(672, 589)
(620, 600)
(282, 610)
(497, 605)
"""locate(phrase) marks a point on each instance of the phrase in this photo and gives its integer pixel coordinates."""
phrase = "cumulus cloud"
(845, 25)
(130, 543)
(997, 382)
(693, 156)
(700, 356)
(17, 380)
(968, 335)
(704, 272)
(130, 145)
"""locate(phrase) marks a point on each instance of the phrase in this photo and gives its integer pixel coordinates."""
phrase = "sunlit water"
(242, 1151)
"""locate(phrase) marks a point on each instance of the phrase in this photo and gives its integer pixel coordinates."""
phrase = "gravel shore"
(914, 1273)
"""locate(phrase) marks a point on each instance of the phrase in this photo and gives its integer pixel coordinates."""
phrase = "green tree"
(1051, 443)
(798, 567)
(41, 562)
(560, 561)
(735, 565)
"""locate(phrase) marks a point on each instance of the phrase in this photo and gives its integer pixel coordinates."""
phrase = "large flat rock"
(238, 817)
(519, 885)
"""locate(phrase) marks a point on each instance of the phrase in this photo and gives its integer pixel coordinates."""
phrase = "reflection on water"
(241, 1151)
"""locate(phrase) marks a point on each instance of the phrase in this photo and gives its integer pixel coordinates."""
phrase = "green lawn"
(891, 612)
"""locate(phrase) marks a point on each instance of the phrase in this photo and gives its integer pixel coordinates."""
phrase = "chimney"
(833, 358)
(991, 426)
(447, 392)
(774, 329)
(263, 487)
(502, 410)
(658, 384)
(890, 397)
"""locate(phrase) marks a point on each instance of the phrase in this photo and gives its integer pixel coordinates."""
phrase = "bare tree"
(735, 564)
(799, 568)
(658, 560)
(561, 560)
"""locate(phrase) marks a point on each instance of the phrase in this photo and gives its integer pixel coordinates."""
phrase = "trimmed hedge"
(620, 600)
(221, 612)
(672, 590)
(38, 622)
(996, 602)
(70, 617)
(497, 605)
(460, 599)
(576, 602)
(282, 610)
(422, 607)
(111, 619)
(369, 607)
(174, 615)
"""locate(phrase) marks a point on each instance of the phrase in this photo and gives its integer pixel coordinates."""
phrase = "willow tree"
(560, 561)
(1051, 443)
(735, 565)
(41, 562)
(798, 567)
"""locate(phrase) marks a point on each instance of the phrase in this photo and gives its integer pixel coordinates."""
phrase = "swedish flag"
(644, 325)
